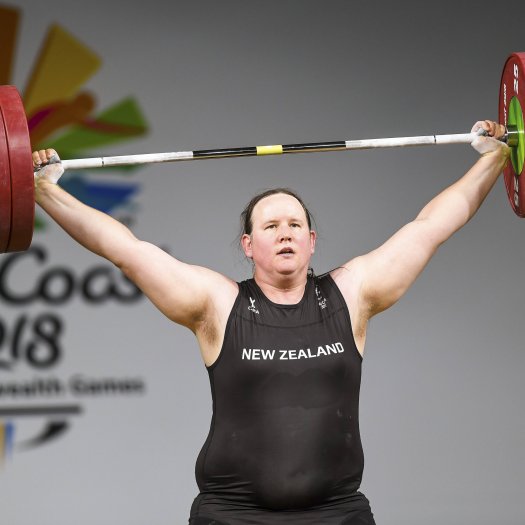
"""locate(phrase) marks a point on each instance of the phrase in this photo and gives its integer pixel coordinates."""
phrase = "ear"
(313, 238)
(246, 242)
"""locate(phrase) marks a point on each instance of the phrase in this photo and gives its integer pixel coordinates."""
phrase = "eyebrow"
(274, 221)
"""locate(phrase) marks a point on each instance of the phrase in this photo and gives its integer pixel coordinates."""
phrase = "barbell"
(17, 178)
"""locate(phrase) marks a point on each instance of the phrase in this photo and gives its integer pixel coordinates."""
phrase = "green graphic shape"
(515, 118)
(116, 124)
(40, 225)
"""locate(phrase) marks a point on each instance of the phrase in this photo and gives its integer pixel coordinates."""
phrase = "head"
(277, 232)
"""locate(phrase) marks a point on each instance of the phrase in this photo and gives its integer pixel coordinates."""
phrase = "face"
(281, 243)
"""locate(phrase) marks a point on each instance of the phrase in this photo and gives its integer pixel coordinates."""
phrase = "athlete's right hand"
(47, 166)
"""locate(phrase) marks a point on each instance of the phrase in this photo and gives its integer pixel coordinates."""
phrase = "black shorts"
(362, 517)
(214, 509)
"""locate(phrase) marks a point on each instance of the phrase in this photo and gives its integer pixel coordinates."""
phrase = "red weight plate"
(511, 107)
(5, 190)
(21, 168)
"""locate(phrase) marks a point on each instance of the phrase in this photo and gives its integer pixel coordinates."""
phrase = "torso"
(285, 389)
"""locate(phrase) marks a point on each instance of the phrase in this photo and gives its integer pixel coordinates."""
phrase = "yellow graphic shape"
(8, 28)
(63, 65)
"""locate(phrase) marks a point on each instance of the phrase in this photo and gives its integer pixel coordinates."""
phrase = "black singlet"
(284, 444)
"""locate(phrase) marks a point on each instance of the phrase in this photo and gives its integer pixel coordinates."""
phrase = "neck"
(284, 290)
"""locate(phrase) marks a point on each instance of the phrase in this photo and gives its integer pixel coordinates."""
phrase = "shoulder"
(349, 278)
(222, 290)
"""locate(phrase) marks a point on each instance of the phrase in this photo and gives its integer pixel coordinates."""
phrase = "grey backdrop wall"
(442, 397)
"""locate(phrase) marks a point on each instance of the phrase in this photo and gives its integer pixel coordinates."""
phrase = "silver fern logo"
(252, 306)
(320, 299)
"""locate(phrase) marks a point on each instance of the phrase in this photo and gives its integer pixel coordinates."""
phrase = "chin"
(288, 269)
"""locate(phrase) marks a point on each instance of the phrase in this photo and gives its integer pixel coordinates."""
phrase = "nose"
(285, 233)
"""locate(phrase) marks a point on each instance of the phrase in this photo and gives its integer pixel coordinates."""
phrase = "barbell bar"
(17, 177)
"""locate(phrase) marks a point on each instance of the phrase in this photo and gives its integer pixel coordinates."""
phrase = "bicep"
(181, 291)
(390, 270)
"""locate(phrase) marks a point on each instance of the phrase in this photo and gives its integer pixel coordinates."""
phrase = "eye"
(270, 226)
(295, 225)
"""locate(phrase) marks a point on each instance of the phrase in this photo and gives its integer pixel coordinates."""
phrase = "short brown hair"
(246, 215)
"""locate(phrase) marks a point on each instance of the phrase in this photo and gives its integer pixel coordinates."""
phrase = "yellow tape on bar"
(276, 149)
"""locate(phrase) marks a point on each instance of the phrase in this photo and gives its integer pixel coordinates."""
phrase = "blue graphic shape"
(9, 430)
(104, 196)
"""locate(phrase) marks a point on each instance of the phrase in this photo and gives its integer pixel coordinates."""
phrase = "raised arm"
(375, 281)
(185, 293)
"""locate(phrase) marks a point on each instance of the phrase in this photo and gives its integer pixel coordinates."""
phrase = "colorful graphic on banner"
(64, 116)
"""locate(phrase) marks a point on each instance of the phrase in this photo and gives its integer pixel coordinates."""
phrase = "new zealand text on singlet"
(255, 354)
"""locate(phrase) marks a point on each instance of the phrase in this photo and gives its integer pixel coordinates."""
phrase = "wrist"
(42, 188)
(500, 156)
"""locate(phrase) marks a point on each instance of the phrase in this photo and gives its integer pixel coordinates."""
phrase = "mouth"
(286, 251)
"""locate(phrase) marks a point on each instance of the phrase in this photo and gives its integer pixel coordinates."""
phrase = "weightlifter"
(283, 350)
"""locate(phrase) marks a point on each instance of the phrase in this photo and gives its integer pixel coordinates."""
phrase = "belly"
(291, 458)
